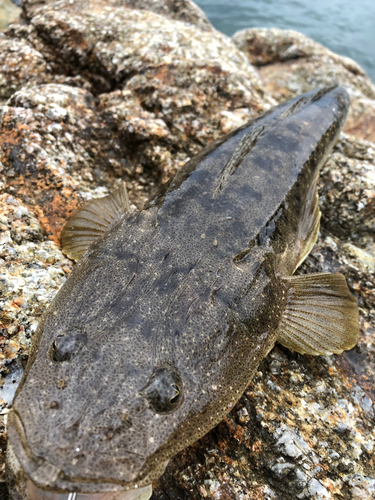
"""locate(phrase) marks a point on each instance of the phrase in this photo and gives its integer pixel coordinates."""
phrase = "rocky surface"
(54, 144)
(9, 12)
(290, 63)
(20, 64)
(100, 91)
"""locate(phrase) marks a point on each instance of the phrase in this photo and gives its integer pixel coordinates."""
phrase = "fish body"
(165, 318)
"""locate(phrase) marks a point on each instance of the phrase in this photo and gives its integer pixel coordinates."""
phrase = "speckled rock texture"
(20, 65)
(290, 63)
(96, 92)
(165, 85)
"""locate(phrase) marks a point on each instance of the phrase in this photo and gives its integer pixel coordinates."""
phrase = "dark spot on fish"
(246, 193)
(264, 163)
(127, 422)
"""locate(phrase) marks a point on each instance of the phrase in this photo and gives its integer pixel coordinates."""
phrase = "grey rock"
(291, 63)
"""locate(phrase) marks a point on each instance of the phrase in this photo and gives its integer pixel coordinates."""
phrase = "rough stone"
(32, 270)
(52, 147)
(20, 66)
(103, 91)
(291, 63)
(167, 81)
(180, 10)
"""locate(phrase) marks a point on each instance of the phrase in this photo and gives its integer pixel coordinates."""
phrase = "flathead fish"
(166, 316)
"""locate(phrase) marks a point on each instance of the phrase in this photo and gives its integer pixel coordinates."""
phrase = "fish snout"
(35, 493)
(23, 466)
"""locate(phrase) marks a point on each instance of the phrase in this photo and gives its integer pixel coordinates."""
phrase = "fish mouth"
(35, 493)
(23, 467)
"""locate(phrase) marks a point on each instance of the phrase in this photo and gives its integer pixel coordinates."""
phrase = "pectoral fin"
(92, 220)
(309, 225)
(321, 316)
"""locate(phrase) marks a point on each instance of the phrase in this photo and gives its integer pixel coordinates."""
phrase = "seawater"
(345, 26)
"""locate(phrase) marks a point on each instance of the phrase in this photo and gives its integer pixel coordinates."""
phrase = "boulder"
(9, 12)
(290, 63)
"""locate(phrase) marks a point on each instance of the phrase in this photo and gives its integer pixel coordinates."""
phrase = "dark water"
(344, 26)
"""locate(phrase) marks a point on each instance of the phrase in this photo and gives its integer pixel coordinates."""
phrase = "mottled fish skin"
(190, 285)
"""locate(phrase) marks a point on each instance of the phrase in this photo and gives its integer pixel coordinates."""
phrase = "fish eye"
(67, 344)
(164, 390)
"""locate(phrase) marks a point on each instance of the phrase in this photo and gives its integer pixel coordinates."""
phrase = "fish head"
(116, 388)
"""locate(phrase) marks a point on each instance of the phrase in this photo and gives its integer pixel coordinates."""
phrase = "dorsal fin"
(321, 315)
(92, 220)
(245, 145)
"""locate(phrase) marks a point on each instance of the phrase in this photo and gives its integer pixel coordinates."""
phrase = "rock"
(291, 63)
(180, 10)
(32, 268)
(9, 12)
(100, 91)
(53, 146)
(20, 66)
(164, 80)
(347, 197)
